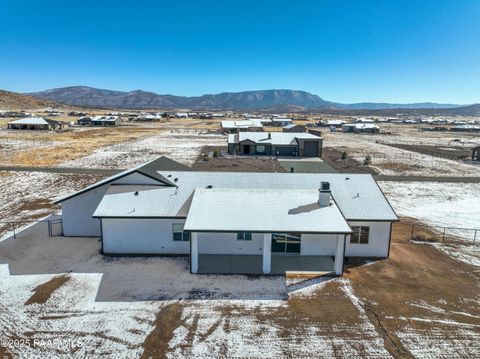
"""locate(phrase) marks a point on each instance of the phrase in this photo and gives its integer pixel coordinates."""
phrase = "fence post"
(14, 234)
(413, 228)
(474, 237)
(443, 237)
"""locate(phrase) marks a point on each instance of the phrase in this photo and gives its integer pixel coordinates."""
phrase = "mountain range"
(274, 100)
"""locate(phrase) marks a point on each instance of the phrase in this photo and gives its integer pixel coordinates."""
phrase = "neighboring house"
(476, 153)
(35, 123)
(294, 128)
(235, 223)
(84, 121)
(360, 128)
(275, 144)
(331, 123)
(281, 122)
(106, 121)
(242, 125)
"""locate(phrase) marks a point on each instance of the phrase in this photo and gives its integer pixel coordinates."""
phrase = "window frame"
(180, 236)
(359, 233)
(244, 236)
(287, 240)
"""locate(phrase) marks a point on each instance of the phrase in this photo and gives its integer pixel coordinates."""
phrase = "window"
(286, 243)
(260, 149)
(179, 234)
(360, 235)
(244, 236)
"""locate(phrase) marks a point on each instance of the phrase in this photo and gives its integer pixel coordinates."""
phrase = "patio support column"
(267, 253)
(339, 255)
(194, 252)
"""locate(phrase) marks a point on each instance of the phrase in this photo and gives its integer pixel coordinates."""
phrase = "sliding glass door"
(286, 243)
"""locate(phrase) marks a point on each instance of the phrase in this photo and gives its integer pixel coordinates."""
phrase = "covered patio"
(253, 264)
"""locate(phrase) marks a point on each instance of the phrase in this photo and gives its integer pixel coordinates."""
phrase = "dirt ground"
(450, 152)
(333, 158)
(417, 298)
(205, 162)
(221, 164)
(418, 303)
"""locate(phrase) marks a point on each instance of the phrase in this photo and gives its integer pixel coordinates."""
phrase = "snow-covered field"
(26, 195)
(454, 205)
(181, 147)
(395, 161)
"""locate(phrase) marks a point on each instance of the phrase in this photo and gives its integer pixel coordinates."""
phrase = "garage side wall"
(142, 236)
(77, 211)
(77, 214)
(378, 241)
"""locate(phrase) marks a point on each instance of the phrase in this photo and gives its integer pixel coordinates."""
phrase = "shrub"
(368, 160)
(216, 152)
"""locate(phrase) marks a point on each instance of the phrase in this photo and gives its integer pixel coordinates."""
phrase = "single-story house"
(294, 128)
(235, 223)
(35, 123)
(84, 121)
(281, 122)
(476, 153)
(106, 121)
(254, 124)
(275, 144)
(360, 128)
(331, 123)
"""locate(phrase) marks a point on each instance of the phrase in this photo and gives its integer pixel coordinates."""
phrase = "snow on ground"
(386, 159)
(440, 205)
(26, 196)
(181, 147)
(110, 304)
(430, 341)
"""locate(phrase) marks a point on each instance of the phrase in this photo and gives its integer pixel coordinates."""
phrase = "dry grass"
(72, 144)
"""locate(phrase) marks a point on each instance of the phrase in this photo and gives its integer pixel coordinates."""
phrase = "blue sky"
(346, 51)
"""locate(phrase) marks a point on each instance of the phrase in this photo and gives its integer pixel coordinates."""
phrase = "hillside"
(246, 100)
(15, 101)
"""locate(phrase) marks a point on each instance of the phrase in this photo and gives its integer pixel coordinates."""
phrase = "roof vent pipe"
(324, 195)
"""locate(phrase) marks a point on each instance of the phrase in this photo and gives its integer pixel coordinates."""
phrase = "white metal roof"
(274, 138)
(30, 121)
(141, 201)
(105, 118)
(242, 123)
(263, 210)
(357, 195)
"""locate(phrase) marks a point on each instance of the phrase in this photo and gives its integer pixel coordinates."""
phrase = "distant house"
(360, 128)
(294, 128)
(253, 223)
(476, 154)
(106, 121)
(331, 123)
(84, 121)
(253, 124)
(275, 144)
(281, 122)
(35, 123)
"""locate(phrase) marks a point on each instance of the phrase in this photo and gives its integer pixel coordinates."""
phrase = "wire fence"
(414, 231)
(15, 228)
(25, 144)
